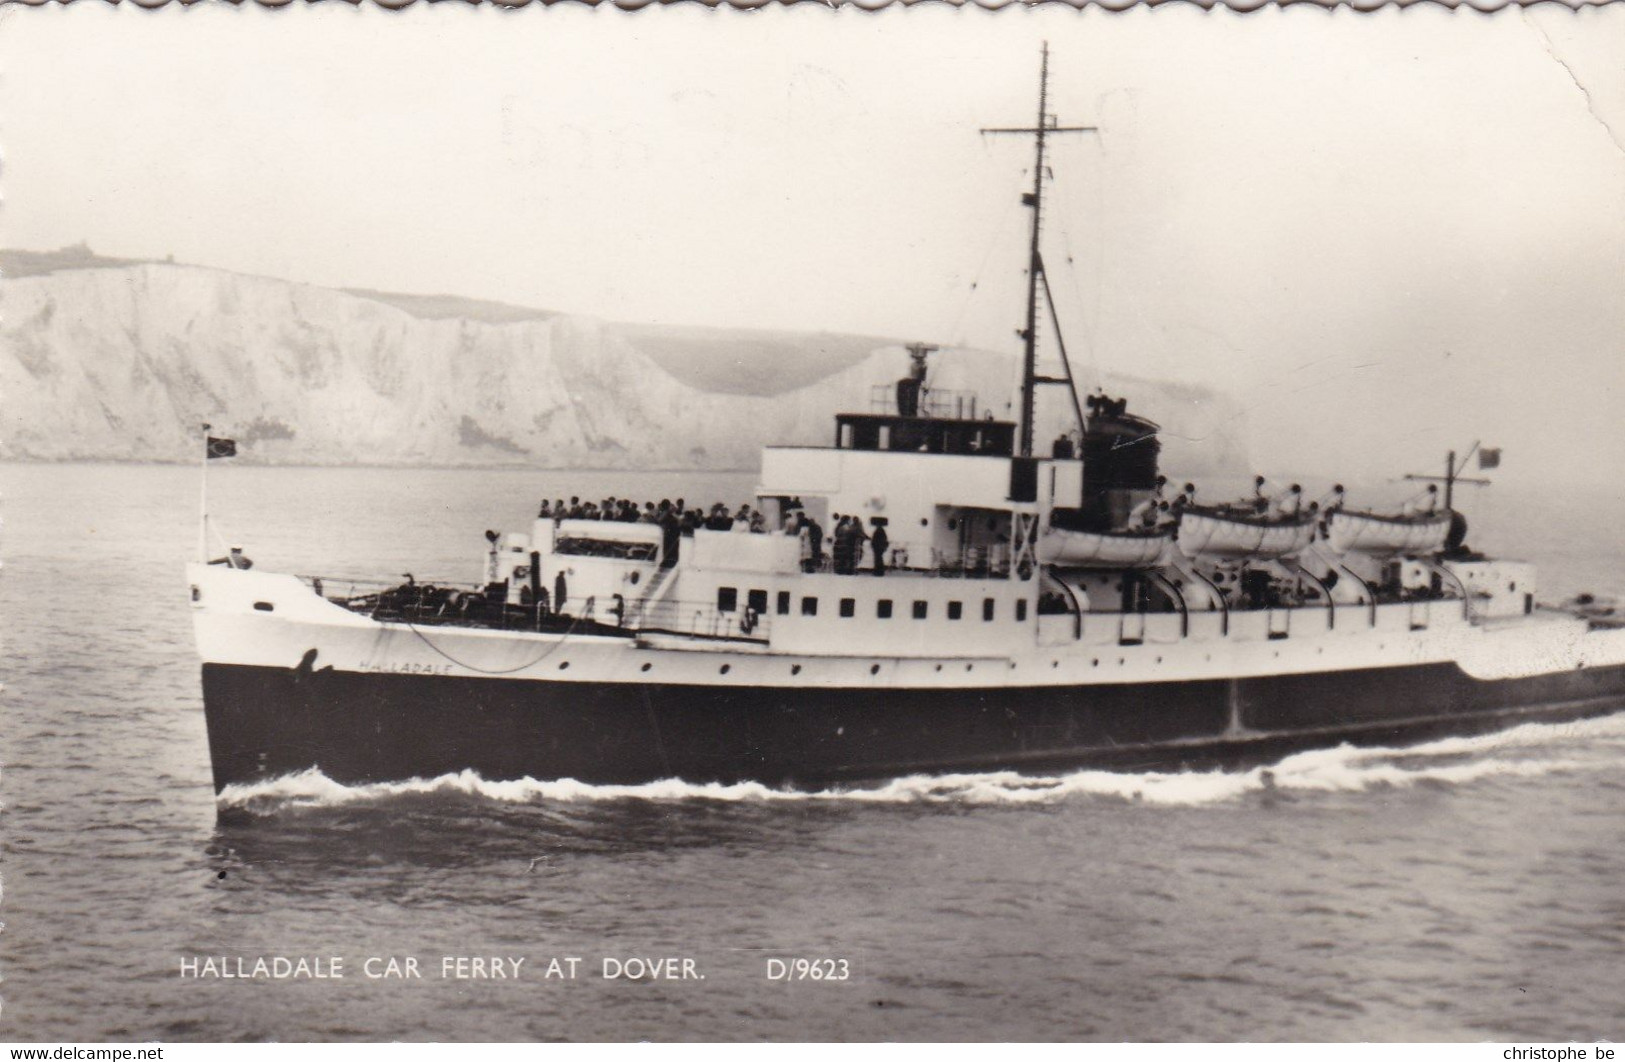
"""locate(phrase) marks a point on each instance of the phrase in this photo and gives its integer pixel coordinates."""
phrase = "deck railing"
(431, 604)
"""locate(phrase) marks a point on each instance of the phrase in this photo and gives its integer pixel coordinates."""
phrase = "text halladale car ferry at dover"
(1027, 619)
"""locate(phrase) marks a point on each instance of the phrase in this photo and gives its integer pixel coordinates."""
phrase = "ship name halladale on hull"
(926, 594)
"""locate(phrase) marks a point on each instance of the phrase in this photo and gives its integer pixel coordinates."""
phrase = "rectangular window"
(809, 606)
(955, 610)
(883, 608)
(987, 609)
(784, 602)
(919, 610)
(727, 599)
(1021, 610)
(757, 601)
(849, 608)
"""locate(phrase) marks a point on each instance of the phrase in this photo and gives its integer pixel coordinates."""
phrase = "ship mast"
(1047, 125)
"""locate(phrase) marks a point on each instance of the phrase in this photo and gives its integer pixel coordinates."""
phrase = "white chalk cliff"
(122, 361)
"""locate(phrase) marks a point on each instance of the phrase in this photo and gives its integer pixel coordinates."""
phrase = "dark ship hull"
(358, 728)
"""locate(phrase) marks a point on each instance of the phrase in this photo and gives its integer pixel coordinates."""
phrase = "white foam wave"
(1529, 750)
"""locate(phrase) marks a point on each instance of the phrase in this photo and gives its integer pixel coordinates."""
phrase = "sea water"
(1468, 888)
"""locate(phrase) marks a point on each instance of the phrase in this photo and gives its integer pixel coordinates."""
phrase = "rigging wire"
(489, 671)
(1091, 360)
(993, 239)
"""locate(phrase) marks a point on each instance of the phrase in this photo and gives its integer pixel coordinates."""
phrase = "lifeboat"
(1388, 535)
(1102, 549)
(1234, 535)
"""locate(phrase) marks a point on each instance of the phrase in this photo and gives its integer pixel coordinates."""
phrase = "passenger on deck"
(1261, 497)
(815, 543)
(546, 511)
(1291, 503)
(879, 542)
(803, 532)
(1062, 448)
(844, 541)
(1334, 498)
(671, 535)
(234, 559)
(1166, 517)
(1426, 505)
(758, 522)
(575, 509)
(1143, 514)
(741, 521)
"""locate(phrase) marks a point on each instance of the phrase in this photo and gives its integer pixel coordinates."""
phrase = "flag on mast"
(221, 447)
(1489, 458)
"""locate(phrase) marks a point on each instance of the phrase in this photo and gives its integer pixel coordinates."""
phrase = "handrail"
(1179, 598)
(1370, 595)
(1331, 606)
(1218, 595)
(1077, 609)
(1466, 598)
(695, 619)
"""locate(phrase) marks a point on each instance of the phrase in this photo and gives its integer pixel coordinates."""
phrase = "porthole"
(564, 665)
(726, 668)
(939, 667)
(1159, 659)
(646, 667)
(874, 669)
(1054, 663)
(969, 666)
(795, 669)
(1094, 663)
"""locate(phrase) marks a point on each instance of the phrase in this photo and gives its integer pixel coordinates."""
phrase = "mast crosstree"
(1047, 125)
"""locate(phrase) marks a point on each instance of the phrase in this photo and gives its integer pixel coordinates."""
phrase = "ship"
(927, 593)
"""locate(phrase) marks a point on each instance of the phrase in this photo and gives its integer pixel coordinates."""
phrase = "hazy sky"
(1389, 234)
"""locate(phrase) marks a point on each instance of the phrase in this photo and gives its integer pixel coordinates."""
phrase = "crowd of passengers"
(849, 544)
(1158, 513)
